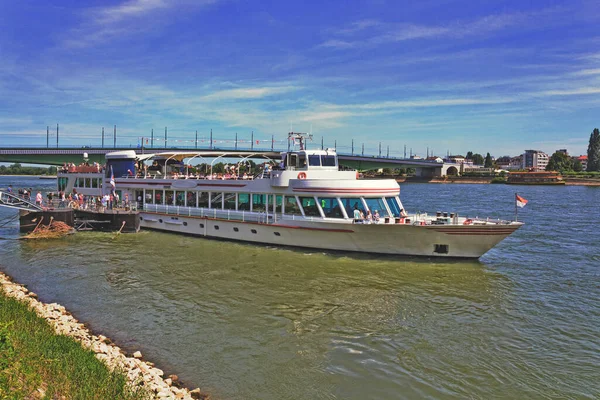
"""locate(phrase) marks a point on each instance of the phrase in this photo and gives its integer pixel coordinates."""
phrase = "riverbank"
(46, 352)
(569, 181)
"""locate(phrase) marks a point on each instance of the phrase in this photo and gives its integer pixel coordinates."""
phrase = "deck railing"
(234, 215)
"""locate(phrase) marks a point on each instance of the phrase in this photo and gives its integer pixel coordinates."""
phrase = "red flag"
(521, 202)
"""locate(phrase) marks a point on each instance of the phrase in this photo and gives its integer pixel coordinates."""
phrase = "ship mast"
(300, 138)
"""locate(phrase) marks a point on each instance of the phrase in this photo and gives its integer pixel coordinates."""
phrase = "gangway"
(11, 200)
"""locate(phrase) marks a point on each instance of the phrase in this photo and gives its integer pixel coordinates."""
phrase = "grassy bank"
(36, 363)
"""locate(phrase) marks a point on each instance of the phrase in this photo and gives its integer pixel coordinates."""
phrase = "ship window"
(278, 201)
(191, 199)
(216, 200)
(216, 227)
(291, 206)
(328, 161)
(394, 206)
(94, 183)
(253, 231)
(149, 196)
(314, 160)
(81, 182)
(169, 197)
(350, 203)
(141, 218)
(88, 183)
(310, 206)
(244, 202)
(184, 223)
(377, 204)
(230, 201)
(158, 196)
(62, 183)
(236, 229)
(160, 220)
(440, 248)
(180, 198)
(331, 207)
(203, 199)
(301, 161)
(259, 202)
(277, 233)
(201, 225)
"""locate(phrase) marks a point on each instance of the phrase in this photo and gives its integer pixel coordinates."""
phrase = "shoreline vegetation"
(46, 353)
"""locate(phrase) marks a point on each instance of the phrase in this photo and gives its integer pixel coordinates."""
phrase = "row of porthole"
(235, 229)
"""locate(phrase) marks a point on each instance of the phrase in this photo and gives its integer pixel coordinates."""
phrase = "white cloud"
(102, 24)
(248, 93)
(570, 92)
(588, 72)
(424, 103)
(390, 33)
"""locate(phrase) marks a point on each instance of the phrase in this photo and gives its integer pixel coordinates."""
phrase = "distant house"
(584, 161)
(515, 163)
(503, 162)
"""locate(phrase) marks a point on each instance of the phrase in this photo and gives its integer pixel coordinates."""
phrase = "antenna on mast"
(300, 138)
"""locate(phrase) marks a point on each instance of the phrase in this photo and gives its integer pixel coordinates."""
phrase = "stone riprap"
(138, 372)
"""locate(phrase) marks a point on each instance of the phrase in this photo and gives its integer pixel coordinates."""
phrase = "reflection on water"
(252, 322)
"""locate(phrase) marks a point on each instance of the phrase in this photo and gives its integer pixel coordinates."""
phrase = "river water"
(250, 322)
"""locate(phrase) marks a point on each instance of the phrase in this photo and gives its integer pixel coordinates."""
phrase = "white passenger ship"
(304, 201)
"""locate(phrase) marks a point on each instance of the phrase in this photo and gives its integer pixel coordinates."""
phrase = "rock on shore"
(138, 372)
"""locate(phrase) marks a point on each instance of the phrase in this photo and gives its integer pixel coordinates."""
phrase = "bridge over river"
(59, 156)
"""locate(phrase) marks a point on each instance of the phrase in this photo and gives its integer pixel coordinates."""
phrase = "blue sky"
(449, 75)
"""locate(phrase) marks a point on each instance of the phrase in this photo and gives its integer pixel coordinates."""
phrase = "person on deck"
(376, 216)
(357, 214)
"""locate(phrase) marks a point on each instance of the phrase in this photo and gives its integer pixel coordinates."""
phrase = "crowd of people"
(83, 167)
(75, 200)
(360, 217)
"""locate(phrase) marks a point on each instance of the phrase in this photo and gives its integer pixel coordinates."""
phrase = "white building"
(535, 160)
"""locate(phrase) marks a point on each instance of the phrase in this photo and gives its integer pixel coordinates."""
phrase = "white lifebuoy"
(302, 175)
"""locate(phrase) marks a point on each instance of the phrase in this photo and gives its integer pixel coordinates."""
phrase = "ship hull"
(470, 241)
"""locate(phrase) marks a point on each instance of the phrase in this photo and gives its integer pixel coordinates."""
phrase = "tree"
(469, 155)
(488, 163)
(477, 159)
(594, 152)
(559, 161)
(577, 167)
